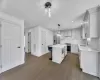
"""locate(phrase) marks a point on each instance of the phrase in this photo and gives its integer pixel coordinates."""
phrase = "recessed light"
(81, 23)
(72, 21)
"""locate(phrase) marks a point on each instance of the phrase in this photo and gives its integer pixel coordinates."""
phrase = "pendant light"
(48, 6)
(58, 31)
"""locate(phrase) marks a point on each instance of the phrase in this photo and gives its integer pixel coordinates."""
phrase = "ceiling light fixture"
(58, 31)
(47, 6)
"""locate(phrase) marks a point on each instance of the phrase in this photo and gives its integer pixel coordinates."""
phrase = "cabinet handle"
(85, 35)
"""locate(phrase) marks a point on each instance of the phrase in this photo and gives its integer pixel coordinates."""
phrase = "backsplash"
(73, 41)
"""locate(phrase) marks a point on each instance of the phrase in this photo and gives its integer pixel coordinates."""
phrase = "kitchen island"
(59, 52)
(89, 60)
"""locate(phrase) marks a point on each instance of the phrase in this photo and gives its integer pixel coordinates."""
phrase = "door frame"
(21, 25)
(29, 43)
(43, 44)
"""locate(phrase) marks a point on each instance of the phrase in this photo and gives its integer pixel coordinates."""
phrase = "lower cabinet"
(74, 48)
(58, 54)
(89, 62)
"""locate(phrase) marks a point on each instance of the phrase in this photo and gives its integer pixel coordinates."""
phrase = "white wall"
(36, 40)
(49, 37)
(35, 48)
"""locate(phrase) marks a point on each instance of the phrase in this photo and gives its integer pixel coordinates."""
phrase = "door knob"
(18, 47)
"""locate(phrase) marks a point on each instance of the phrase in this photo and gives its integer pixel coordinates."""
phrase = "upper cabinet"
(91, 23)
(67, 33)
(72, 33)
(94, 23)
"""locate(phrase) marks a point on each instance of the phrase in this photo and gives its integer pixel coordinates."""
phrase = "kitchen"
(48, 42)
(83, 41)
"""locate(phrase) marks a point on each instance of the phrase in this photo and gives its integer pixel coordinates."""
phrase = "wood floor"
(43, 69)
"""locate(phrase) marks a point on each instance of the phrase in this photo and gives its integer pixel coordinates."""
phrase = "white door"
(11, 45)
(29, 42)
(43, 41)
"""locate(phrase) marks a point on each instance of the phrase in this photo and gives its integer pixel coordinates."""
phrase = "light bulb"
(49, 12)
(72, 21)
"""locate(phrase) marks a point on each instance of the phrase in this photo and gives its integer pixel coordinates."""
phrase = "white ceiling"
(63, 12)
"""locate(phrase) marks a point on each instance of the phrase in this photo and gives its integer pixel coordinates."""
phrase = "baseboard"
(12, 66)
(39, 55)
(93, 74)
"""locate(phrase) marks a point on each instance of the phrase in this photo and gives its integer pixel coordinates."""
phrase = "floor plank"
(44, 69)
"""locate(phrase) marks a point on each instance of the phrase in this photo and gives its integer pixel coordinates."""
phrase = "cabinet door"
(77, 33)
(87, 30)
(94, 24)
(83, 32)
(74, 48)
(73, 34)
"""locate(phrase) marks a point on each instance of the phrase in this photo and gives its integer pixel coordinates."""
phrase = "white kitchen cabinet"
(74, 48)
(78, 33)
(67, 33)
(84, 32)
(89, 62)
(86, 26)
(11, 42)
(92, 23)
(74, 33)
(58, 53)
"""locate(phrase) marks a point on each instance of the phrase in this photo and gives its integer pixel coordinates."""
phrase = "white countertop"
(59, 45)
(86, 48)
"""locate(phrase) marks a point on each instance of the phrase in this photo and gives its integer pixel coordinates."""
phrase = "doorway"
(29, 42)
(43, 41)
